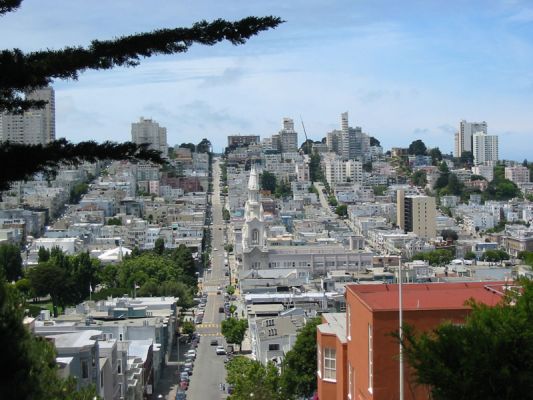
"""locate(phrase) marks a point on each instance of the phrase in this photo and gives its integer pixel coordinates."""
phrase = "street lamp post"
(400, 307)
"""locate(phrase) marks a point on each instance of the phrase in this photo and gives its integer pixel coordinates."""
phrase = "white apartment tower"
(484, 148)
(288, 137)
(35, 126)
(464, 137)
(149, 131)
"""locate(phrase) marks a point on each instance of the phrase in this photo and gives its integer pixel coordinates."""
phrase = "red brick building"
(358, 357)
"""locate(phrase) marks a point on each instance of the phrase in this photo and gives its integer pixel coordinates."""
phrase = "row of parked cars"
(200, 310)
(188, 367)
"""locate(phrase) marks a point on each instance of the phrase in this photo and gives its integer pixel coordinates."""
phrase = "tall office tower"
(288, 137)
(149, 131)
(464, 137)
(416, 214)
(484, 148)
(35, 126)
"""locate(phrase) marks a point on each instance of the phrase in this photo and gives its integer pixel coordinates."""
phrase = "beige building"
(518, 174)
(416, 214)
(149, 131)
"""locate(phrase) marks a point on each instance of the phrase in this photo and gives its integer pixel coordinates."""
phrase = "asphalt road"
(209, 370)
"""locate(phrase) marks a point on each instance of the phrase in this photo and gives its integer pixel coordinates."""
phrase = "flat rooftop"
(430, 296)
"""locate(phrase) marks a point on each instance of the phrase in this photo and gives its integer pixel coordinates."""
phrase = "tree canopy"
(253, 380)
(10, 261)
(21, 72)
(417, 147)
(490, 356)
(233, 330)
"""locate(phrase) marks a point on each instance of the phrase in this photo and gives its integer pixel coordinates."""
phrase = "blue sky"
(404, 70)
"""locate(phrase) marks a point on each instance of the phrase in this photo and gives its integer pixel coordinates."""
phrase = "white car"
(215, 249)
(220, 351)
(191, 354)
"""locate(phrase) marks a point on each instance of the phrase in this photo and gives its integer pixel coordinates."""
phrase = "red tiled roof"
(428, 296)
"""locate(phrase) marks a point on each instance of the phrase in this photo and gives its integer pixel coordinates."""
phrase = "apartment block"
(416, 214)
(149, 131)
(357, 357)
(518, 174)
(463, 137)
(484, 148)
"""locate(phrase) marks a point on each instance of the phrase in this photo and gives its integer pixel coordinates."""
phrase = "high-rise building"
(242, 140)
(149, 131)
(349, 143)
(484, 148)
(416, 214)
(464, 137)
(35, 126)
(288, 137)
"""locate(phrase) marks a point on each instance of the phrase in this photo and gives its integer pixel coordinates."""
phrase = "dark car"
(214, 342)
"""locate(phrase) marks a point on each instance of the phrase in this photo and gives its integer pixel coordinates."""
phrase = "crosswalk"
(210, 334)
(208, 325)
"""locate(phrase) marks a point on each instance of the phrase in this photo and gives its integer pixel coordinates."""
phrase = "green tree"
(467, 158)
(253, 380)
(234, 329)
(495, 255)
(77, 191)
(23, 72)
(114, 221)
(283, 189)
(188, 328)
(204, 146)
(43, 255)
(298, 378)
(417, 147)
(268, 181)
(225, 214)
(436, 155)
(49, 279)
(449, 234)
(159, 246)
(332, 201)
(230, 290)
(342, 210)
(315, 170)
(419, 178)
(437, 257)
(10, 261)
(470, 255)
(374, 141)
(457, 361)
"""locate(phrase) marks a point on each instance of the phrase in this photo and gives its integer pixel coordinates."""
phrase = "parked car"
(191, 354)
(188, 370)
(184, 376)
(220, 309)
(214, 342)
(184, 385)
(220, 351)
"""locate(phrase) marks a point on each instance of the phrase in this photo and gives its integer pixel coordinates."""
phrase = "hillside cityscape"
(152, 280)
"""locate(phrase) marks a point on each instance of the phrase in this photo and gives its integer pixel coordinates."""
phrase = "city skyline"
(404, 72)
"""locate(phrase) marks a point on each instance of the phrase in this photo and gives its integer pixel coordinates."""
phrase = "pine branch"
(21, 161)
(9, 5)
(20, 72)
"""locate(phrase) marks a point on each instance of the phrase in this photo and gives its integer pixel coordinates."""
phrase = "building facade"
(416, 214)
(484, 148)
(149, 131)
(463, 137)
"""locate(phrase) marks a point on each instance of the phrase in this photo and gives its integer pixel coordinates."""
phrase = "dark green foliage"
(307, 146)
(332, 201)
(470, 255)
(490, 356)
(448, 234)
(374, 141)
(526, 257)
(500, 188)
(417, 147)
(467, 158)
(437, 257)
(367, 166)
(20, 162)
(298, 377)
(190, 146)
(342, 210)
(77, 191)
(253, 380)
(9, 5)
(226, 215)
(419, 178)
(230, 290)
(10, 262)
(188, 328)
(114, 221)
(20, 72)
(379, 190)
(204, 146)
(159, 246)
(67, 279)
(268, 181)
(494, 255)
(315, 171)
(436, 155)
(233, 330)
(283, 189)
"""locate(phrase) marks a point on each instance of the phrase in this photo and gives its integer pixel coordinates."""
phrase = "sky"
(404, 70)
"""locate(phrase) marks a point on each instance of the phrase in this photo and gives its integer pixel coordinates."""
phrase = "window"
(255, 237)
(84, 369)
(102, 378)
(330, 364)
(119, 367)
(273, 347)
(319, 359)
(370, 359)
(120, 337)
